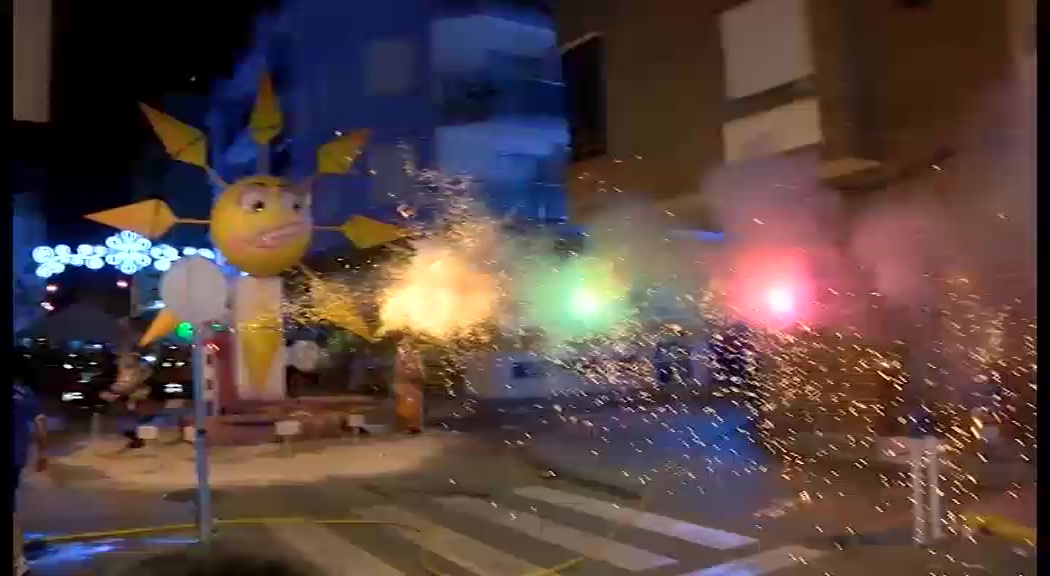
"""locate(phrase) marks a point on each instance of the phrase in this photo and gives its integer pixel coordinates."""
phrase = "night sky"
(109, 55)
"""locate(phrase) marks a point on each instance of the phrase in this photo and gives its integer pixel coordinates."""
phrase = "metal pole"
(200, 447)
(933, 487)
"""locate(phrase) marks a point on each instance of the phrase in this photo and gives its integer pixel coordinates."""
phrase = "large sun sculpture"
(261, 224)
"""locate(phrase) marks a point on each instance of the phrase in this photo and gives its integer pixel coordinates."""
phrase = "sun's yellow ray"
(164, 323)
(182, 142)
(151, 218)
(338, 155)
(266, 120)
(365, 232)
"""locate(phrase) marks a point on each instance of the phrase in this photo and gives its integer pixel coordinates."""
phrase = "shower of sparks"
(573, 298)
(825, 399)
(449, 287)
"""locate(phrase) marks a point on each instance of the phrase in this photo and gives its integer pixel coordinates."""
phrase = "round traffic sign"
(194, 289)
(304, 355)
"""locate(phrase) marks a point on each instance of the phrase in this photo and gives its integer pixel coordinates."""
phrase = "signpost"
(194, 290)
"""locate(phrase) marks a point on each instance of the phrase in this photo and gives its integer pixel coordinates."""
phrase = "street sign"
(194, 290)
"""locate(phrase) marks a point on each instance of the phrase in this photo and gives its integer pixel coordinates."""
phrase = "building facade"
(463, 86)
(870, 89)
(28, 230)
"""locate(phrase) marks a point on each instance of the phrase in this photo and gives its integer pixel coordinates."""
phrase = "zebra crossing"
(525, 533)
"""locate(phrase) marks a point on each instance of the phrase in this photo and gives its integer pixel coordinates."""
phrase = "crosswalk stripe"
(597, 547)
(475, 556)
(701, 535)
(761, 563)
(331, 554)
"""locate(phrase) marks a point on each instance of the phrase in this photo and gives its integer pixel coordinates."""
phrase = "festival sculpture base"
(259, 340)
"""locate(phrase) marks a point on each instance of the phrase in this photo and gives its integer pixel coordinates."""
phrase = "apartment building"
(465, 86)
(665, 91)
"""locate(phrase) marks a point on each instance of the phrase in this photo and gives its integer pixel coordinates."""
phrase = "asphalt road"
(720, 507)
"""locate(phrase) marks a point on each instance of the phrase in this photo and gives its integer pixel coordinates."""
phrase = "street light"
(122, 283)
(52, 288)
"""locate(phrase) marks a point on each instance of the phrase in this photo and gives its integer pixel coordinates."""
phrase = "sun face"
(262, 225)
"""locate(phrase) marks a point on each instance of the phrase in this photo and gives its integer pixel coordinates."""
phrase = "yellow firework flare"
(448, 288)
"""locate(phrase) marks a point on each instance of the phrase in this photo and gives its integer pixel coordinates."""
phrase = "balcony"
(479, 99)
(534, 11)
(526, 202)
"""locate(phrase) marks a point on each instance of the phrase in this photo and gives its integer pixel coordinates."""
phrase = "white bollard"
(917, 484)
(927, 510)
(285, 430)
(933, 487)
(147, 432)
(96, 427)
(356, 423)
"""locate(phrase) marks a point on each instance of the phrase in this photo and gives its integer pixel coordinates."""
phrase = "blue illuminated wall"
(470, 86)
(28, 229)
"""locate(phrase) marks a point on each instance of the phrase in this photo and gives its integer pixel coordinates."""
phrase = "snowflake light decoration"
(126, 251)
(129, 252)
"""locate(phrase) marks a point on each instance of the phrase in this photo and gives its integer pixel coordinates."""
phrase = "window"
(388, 67)
(583, 69)
(765, 44)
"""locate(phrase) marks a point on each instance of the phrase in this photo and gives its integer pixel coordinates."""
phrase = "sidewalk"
(433, 456)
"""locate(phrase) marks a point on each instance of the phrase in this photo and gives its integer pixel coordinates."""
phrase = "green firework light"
(184, 331)
(574, 299)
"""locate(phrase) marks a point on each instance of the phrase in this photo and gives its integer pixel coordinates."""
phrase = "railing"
(525, 201)
(544, 7)
(479, 99)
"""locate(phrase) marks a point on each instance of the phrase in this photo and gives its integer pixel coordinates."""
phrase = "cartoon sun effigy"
(260, 224)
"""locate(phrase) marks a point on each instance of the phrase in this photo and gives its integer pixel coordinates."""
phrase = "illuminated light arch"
(126, 251)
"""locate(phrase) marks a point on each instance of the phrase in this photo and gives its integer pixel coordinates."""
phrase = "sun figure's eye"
(253, 201)
(297, 203)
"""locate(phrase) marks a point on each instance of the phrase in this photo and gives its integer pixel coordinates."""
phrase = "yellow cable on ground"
(1001, 527)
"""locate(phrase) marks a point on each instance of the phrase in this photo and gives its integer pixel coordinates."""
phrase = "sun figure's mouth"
(275, 237)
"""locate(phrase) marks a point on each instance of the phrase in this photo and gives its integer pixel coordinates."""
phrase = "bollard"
(356, 423)
(933, 487)
(96, 427)
(146, 433)
(917, 481)
(285, 429)
(925, 472)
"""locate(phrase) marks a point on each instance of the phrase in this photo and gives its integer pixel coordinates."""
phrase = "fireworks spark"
(449, 287)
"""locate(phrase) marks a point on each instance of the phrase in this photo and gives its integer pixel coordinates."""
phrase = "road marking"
(762, 563)
(597, 547)
(693, 533)
(475, 556)
(330, 553)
